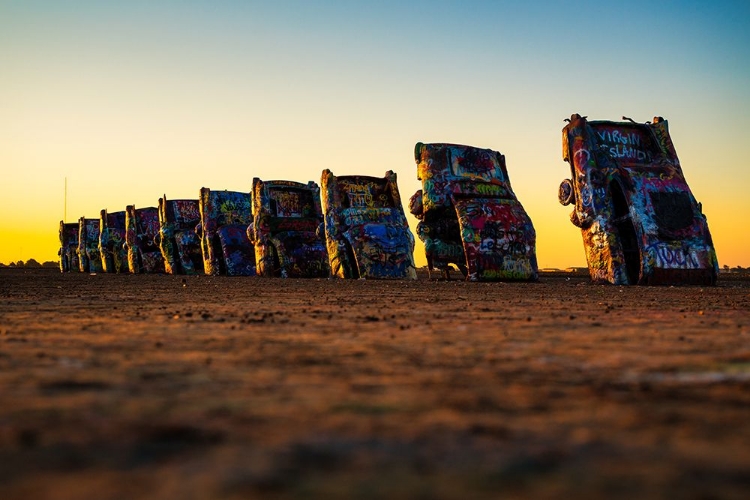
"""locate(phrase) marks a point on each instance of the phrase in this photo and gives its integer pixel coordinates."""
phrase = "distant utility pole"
(65, 209)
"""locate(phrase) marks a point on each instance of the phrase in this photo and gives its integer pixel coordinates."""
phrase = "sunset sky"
(132, 100)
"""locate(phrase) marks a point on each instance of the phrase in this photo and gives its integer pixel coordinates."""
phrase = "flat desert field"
(198, 387)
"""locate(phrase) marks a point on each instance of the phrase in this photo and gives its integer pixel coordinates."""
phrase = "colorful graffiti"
(68, 252)
(141, 237)
(286, 217)
(112, 242)
(179, 244)
(469, 216)
(89, 258)
(366, 231)
(226, 248)
(639, 220)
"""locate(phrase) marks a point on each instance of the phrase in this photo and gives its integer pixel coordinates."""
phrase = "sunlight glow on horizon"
(130, 102)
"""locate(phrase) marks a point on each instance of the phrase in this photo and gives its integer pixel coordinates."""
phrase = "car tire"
(565, 194)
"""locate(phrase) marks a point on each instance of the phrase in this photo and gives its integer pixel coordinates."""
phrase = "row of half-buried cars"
(279, 228)
(639, 220)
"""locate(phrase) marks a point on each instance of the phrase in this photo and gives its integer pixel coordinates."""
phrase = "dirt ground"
(119, 386)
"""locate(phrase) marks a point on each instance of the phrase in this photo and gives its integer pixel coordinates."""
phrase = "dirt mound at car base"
(204, 387)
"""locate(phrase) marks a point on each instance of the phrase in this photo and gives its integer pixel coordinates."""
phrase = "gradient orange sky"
(132, 100)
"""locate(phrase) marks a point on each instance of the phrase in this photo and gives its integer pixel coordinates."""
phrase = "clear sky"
(132, 100)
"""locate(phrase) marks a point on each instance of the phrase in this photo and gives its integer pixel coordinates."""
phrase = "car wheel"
(565, 193)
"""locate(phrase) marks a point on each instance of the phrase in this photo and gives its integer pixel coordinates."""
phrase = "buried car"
(180, 245)
(286, 217)
(89, 258)
(639, 220)
(112, 242)
(366, 231)
(469, 215)
(68, 246)
(226, 248)
(142, 231)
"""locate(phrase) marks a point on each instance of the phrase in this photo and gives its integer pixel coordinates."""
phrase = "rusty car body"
(179, 244)
(142, 231)
(112, 241)
(366, 231)
(226, 248)
(89, 258)
(469, 215)
(639, 219)
(286, 218)
(68, 251)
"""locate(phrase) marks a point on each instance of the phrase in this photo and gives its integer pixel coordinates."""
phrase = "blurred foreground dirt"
(118, 386)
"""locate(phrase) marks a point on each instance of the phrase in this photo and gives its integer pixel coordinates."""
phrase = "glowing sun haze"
(129, 101)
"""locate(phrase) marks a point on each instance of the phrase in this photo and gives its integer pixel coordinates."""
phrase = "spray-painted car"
(68, 246)
(180, 245)
(142, 231)
(112, 242)
(366, 231)
(225, 216)
(639, 219)
(286, 217)
(89, 258)
(469, 215)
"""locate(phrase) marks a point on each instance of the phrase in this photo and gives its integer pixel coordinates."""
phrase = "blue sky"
(133, 100)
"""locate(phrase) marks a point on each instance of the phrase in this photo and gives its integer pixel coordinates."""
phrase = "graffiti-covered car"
(226, 248)
(112, 242)
(68, 246)
(639, 220)
(89, 258)
(180, 245)
(469, 216)
(366, 231)
(286, 217)
(142, 232)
